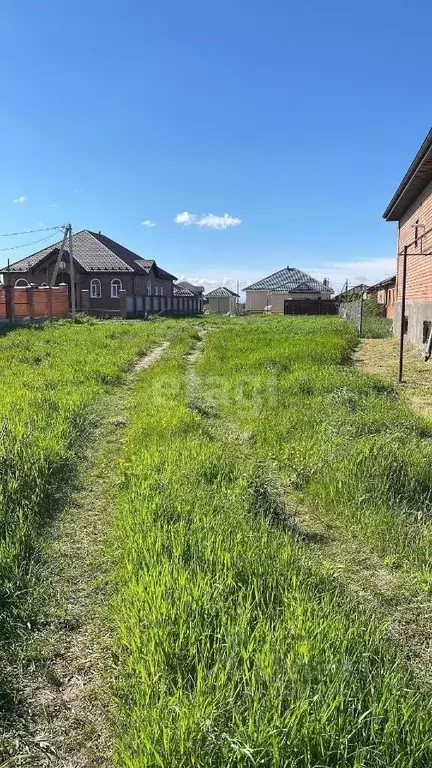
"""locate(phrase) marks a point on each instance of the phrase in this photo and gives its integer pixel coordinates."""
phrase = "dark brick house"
(109, 278)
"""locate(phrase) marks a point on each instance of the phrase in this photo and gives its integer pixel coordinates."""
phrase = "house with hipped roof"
(110, 279)
(289, 284)
(221, 301)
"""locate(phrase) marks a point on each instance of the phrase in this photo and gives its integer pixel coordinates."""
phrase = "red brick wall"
(419, 267)
(36, 302)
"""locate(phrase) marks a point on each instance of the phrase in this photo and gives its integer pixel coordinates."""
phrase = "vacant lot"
(258, 476)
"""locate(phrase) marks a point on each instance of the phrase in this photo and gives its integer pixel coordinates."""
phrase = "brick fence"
(33, 302)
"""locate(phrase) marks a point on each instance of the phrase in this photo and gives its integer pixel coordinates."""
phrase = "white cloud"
(148, 223)
(185, 218)
(54, 205)
(78, 189)
(218, 222)
(22, 199)
(367, 271)
(209, 220)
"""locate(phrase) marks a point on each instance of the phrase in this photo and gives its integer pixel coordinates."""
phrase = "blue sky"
(297, 120)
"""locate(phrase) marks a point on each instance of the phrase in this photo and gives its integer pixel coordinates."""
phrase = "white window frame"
(149, 288)
(95, 288)
(44, 285)
(25, 282)
(116, 287)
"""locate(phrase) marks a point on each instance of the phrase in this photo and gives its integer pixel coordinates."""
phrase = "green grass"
(341, 439)
(51, 379)
(233, 648)
(376, 327)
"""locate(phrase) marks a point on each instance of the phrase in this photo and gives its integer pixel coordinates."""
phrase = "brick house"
(289, 284)
(385, 293)
(411, 207)
(109, 278)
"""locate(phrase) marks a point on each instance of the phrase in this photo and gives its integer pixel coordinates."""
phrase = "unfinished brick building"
(411, 207)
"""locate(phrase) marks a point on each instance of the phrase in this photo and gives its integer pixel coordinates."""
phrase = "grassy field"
(51, 379)
(341, 439)
(234, 646)
(233, 642)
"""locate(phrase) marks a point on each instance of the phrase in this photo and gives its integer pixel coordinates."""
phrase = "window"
(149, 293)
(156, 290)
(95, 289)
(161, 291)
(44, 285)
(427, 325)
(116, 287)
(22, 283)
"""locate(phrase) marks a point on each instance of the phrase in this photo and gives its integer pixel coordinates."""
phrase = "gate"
(310, 307)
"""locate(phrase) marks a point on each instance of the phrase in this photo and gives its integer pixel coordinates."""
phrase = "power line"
(24, 245)
(29, 231)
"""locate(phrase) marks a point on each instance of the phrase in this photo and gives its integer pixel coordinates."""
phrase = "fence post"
(122, 297)
(31, 299)
(9, 302)
(85, 300)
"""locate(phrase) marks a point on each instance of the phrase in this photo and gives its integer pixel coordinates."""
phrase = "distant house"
(384, 291)
(109, 278)
(356, 291)
(221, 301)
(288, 285)
(411, 207)
(197, 290)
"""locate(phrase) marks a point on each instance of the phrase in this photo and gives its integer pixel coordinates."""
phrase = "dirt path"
(380, 356)
(66, 664)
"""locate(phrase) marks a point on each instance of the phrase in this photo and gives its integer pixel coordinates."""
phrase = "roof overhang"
(418, 175)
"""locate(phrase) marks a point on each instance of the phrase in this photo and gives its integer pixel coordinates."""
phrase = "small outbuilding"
(221, 301)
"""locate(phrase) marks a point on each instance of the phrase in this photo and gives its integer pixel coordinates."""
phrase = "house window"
(427, 325)
(161, 291)
(116, 287)
(95, 289)
(149, 288)
(44, 285)
(21, 283)
(156, 290)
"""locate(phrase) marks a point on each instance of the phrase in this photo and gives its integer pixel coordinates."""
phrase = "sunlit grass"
(233, 648)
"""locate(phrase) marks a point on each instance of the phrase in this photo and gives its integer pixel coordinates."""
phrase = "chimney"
(325, 282)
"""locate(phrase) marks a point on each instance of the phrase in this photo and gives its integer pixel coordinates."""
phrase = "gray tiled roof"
(196, 289)
(95, 252)
(179, 291)
(221, 293)
(290, 280)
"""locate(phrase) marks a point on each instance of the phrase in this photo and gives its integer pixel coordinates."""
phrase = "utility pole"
(72, 273)
(67, 233)
(59, 258)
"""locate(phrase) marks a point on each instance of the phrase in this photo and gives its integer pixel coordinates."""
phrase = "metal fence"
(352, 311)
